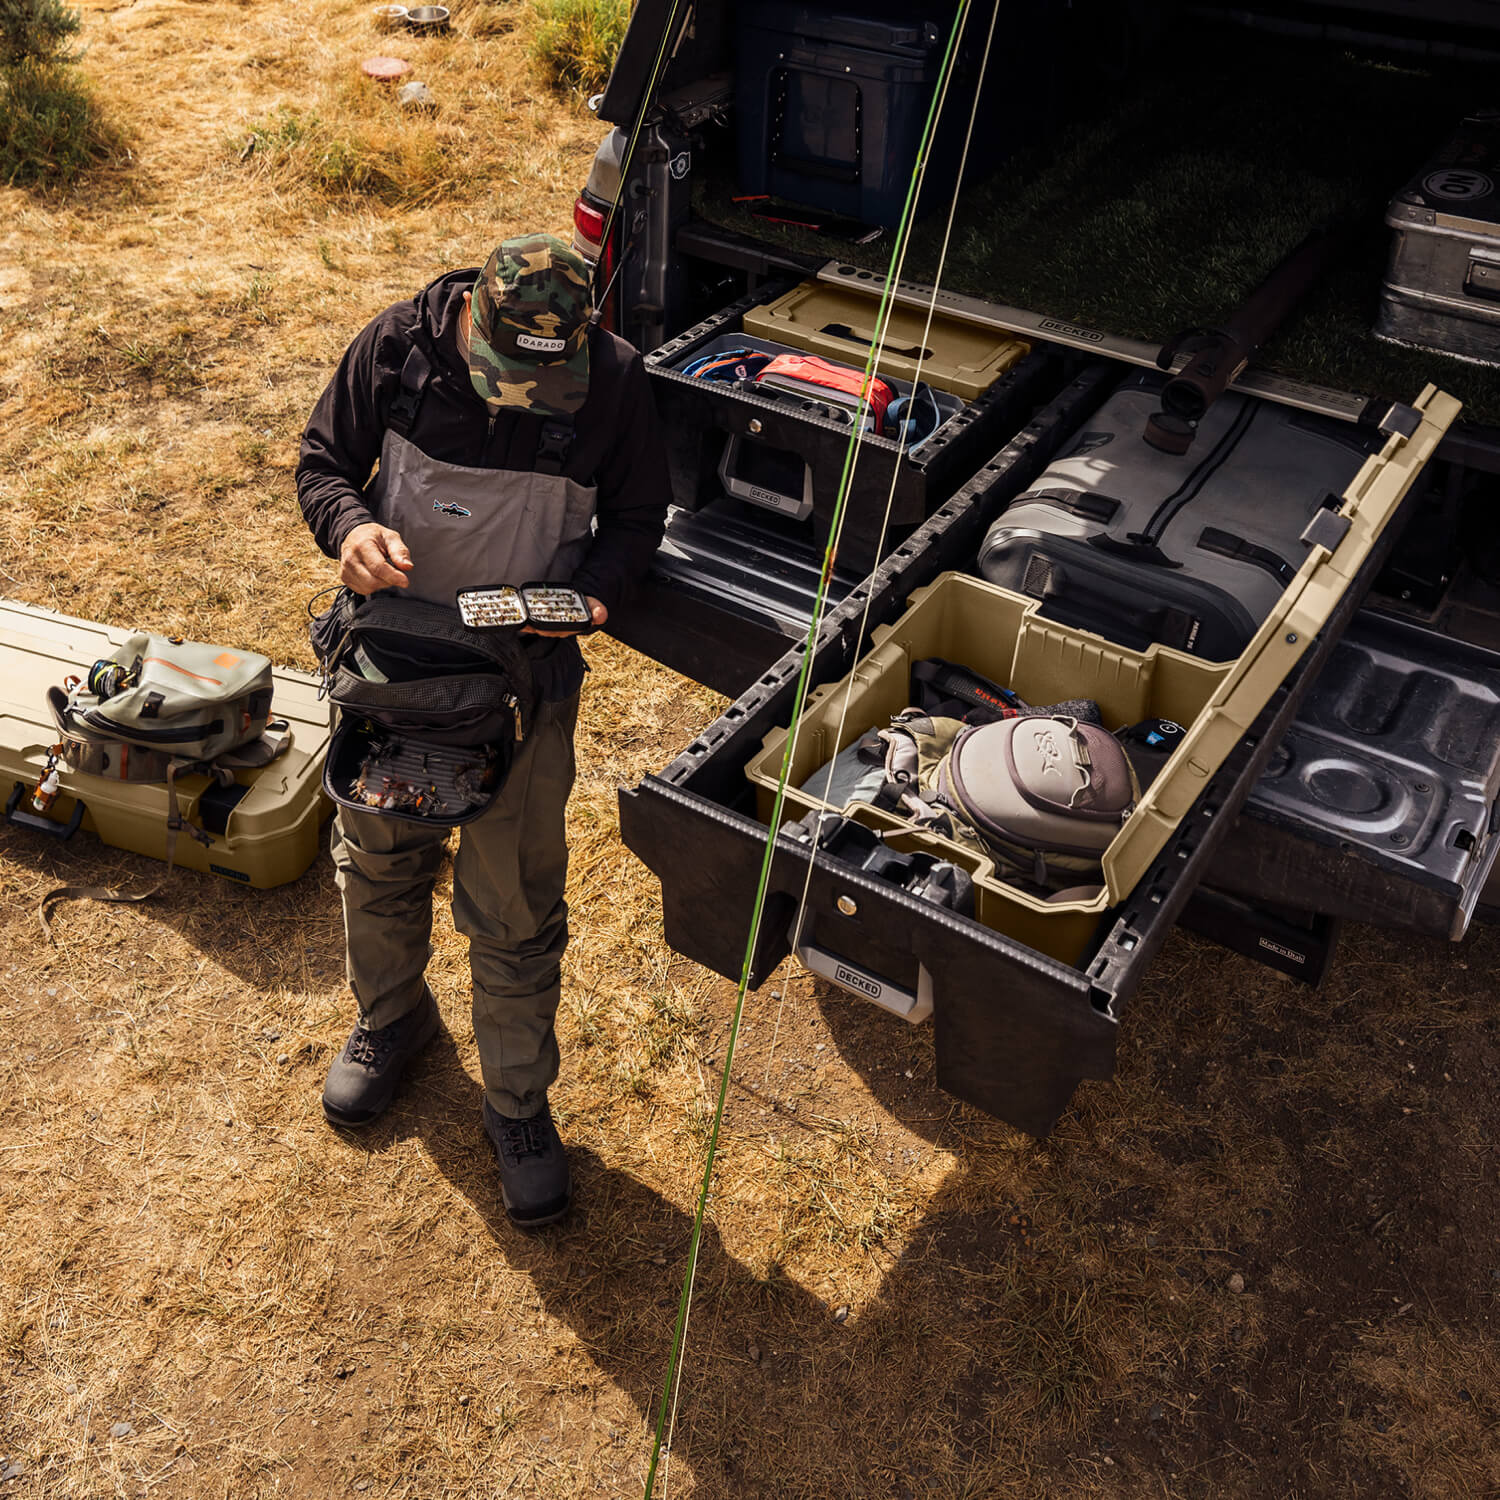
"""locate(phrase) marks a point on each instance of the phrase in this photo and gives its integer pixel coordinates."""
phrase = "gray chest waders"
(466, 527)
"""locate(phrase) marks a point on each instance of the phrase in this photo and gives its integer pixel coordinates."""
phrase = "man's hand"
(373, 557)
(596, 610)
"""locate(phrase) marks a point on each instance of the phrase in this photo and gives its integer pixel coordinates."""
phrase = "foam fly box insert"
(264, 829)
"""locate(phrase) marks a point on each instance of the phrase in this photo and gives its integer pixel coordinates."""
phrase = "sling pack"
(183, 699)
(158, 707)
(1043, 794)
(430, 712)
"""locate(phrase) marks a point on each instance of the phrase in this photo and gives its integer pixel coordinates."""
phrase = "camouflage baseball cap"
(529, 342)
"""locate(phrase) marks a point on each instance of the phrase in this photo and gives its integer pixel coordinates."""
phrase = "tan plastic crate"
(961, 358)
(1002, 635)
(272, 834)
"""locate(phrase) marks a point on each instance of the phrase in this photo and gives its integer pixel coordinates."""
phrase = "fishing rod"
(671, 1386)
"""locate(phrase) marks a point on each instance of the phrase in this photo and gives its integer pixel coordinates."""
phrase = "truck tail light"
(588, 227)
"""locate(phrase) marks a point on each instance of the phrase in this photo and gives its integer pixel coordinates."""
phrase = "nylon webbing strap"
(416, 371)
(554, 445)
(671, 1382)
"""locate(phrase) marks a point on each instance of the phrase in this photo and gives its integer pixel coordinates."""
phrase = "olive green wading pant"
(508, 880)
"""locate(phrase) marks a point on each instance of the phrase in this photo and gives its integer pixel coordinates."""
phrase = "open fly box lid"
(265, 828)
(540, 605)
(841, 322)
(1004, 636)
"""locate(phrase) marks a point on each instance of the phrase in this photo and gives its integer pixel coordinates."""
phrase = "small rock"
(271, 1034)
(11, 1471)
(841, 1314)
(1156, 1413)
(343, 1372)
(463, 1400)
(415, 95)
(1236, 1283)
(753, 1350)
(822, 1046)
(282, 1059)
(361, 1484)
(122, 1430)
(1109, 1460)
(229, 1119)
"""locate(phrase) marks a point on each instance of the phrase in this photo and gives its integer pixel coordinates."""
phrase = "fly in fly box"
(783, 446)
(1442, 286)
(260, 830)
(1027, 992)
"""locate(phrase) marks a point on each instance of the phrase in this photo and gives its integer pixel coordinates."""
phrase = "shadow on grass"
(779, 1394)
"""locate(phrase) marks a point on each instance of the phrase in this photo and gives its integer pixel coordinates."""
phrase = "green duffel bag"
(185, 699)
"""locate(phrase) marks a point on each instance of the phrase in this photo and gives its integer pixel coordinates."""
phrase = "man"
(516, 442)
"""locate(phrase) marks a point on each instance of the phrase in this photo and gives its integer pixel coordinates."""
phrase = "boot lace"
(520, 1139)
(370, 1049)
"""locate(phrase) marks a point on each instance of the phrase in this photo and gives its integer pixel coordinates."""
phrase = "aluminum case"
(1442, 284)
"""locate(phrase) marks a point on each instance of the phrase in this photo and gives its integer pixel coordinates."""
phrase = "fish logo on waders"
(447, 508)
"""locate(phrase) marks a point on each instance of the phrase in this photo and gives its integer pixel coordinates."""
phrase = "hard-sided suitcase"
(1442, 284)
(1187, 551)
(262, 830)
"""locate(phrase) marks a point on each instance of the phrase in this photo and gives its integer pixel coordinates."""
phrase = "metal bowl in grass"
(389, 17)
(428, 19)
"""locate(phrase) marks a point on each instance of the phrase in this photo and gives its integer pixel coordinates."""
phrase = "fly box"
(1442, 284)
(786, 451)
(1026, 994)
(262, 829)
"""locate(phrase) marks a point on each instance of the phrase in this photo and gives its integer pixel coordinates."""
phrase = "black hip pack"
(429, 711)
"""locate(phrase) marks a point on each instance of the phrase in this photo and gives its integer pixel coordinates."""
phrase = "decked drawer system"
(704, 416)
(1025, 1005)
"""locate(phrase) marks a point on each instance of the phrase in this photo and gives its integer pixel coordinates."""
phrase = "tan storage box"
(266, 836)
(961, 358)
(1003, 636)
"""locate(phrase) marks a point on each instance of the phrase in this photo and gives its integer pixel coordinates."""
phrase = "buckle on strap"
(554, 445)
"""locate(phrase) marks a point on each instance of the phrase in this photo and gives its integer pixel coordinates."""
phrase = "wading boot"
(365, 1075)
(534, 1178)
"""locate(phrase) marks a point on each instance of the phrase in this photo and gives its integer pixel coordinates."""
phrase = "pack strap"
(947, 679)
(415, 373)
(176, 824)
(554, 445)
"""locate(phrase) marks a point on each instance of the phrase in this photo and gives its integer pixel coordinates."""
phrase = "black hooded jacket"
(617, 446)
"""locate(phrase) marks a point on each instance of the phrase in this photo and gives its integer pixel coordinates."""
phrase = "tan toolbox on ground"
(1004, 637)
(264, 828)
(961, 358)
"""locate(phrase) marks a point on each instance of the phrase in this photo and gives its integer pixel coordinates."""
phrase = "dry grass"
(205, 1292)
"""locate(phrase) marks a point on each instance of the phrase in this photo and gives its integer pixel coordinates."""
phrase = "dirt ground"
(1264, 1261)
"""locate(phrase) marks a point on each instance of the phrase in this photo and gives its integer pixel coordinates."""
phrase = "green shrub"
(576, 40)
(36, 31)
(50, 125)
